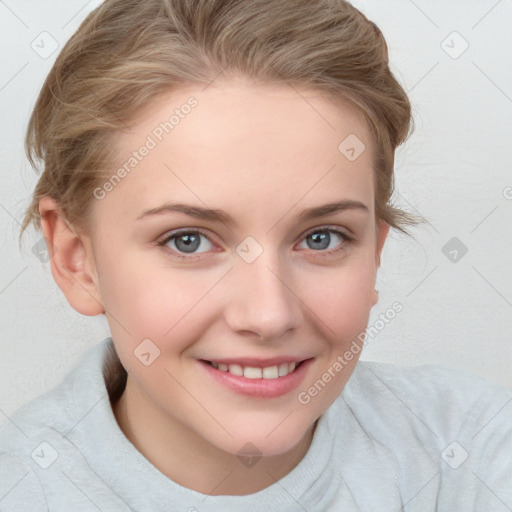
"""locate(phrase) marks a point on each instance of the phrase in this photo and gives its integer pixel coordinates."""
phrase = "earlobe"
(69, 256)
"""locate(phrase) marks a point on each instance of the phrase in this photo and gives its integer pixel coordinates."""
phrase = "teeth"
(236, 369)
(270, 372)
(283, 369)
(251, 372)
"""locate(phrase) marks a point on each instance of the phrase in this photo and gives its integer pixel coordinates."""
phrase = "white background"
(454, 170)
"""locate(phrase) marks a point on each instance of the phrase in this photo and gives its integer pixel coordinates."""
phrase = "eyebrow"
(223, 217)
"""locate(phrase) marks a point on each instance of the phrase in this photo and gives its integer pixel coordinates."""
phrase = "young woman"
(217, 181)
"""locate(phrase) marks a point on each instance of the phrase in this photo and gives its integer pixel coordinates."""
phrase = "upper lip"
(257, 363)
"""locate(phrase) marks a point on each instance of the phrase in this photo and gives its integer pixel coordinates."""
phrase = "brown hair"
(128, 52)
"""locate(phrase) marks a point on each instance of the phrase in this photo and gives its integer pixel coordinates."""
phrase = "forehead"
(244, 146)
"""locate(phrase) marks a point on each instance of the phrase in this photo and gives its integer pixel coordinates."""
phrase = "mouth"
(260, 380)
(269, 372)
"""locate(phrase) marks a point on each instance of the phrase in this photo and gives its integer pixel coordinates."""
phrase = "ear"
(71, 260)
(382, 233)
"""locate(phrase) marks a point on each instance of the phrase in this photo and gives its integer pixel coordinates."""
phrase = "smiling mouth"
(253, 372)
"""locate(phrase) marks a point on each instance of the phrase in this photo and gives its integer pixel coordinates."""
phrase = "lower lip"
(260, 388)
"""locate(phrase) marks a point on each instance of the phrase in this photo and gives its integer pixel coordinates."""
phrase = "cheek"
(342, 298)
(146, 299)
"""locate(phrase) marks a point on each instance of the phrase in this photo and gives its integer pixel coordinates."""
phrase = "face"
(253, 286)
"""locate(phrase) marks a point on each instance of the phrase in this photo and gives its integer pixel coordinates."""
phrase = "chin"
(260, 440)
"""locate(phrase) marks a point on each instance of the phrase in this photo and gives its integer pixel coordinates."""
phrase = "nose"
(264, 302)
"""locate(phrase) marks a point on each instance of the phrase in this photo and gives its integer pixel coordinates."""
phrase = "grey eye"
(189, 242)
(321, 239)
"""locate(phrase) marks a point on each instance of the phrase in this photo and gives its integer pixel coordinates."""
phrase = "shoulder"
(20, 488)
(426, 379)
(430, 397)
(35, 435)
(455, 425)
(63, 405)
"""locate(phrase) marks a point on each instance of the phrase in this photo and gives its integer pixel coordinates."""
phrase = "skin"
(262, 154)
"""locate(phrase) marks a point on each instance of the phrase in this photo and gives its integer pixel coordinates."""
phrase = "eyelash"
(323, 253)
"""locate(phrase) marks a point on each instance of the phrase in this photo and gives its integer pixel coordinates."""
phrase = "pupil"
(320, 237)
(191, 242)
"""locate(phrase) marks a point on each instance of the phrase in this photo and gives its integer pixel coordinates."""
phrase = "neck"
(192, 462)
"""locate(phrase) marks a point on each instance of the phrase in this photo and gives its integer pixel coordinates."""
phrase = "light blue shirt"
(416, 439)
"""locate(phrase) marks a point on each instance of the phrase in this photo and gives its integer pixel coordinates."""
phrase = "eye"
(187, 242)
(326, 239)
(190, 243)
